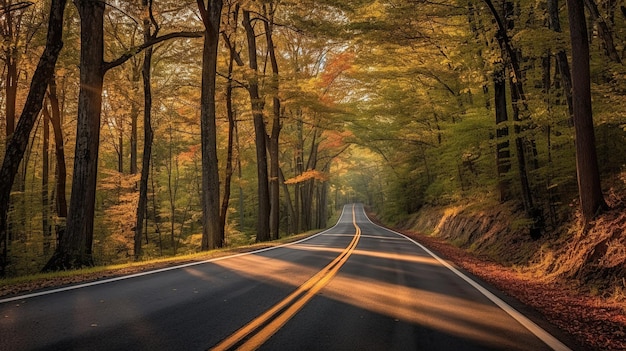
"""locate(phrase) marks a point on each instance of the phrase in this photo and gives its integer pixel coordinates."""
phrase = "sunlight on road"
(453, 315)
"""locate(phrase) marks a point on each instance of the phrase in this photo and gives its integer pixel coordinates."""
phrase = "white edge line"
(161, 270)
(539, 332)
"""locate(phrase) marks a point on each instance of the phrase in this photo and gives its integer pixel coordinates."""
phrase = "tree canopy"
(180, 126)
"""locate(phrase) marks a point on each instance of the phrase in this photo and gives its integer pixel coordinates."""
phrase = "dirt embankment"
(575, 276)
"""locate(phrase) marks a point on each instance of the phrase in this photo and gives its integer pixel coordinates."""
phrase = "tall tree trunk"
(604, 30)
(308, 193)
(561, 56)
(134, 111)
(45, 177)
(276, 126)
(299, 170)
(231, 136)
(59, 153)
(589, 188)
(75, 247)
(291, 228)
(242, 215)
(503, 153)
(233, 133)
(518, 98)
(229, 157)
(527, 196)
(10, 90)
(142, 204)
(211, 234)
(260, 134)
(323, 203)
(119, 120)
(16, 145)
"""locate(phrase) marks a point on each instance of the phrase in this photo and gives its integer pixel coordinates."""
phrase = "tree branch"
(137, 49)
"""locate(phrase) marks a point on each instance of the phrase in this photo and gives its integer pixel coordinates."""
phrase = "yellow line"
(293, 303)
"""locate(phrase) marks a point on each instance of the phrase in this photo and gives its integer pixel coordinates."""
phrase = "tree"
(59, 152)
(233, 17)
(589, 188)
(263, 233)
(18, 142)
(75, 247)
(211, 235)
(10, 28)
(274, 184)
(142, 203)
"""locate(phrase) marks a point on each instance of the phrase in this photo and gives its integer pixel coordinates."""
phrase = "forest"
(136, 129)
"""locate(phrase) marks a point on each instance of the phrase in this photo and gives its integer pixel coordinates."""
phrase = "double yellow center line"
(260, 329)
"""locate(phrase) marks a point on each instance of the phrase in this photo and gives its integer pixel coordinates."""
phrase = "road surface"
(356, 286)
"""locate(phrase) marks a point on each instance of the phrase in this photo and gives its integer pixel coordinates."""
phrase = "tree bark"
(75, 246)
(142, 204)
(589, 188)
(503, 152)
(59, 153)
(45, 177)
(275, 133)
(211, 235)
(10, 90)
(604, 30)
(308, 188)
(119, 120)
(134, 113)
(229, 154)
(16, 145)
(260, 134)
(230, 112)
(561, 56)
(292, 213)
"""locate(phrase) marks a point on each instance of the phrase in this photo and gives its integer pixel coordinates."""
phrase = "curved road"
(356, 286)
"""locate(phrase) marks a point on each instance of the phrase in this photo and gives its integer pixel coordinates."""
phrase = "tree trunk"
(589, 188)
(291, 228)
(142, 204)
(59, 153)
(276, 126)
(134, 109)
(242, 216)
(323, 203)
(230, 112)
(229, 156)
(308, 193)
(604, 31)
(527, 197)
(211, 234)
(16, 145)
(299, 170)
(518, 98)
(74, 249)
(561, 56)
(260, 134)
(503, 153)
(10, 90)
(119, 120)
(45, 177)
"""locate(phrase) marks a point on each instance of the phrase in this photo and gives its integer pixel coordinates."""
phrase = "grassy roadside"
(34, 282)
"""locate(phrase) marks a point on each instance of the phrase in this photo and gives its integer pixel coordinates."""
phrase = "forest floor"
(596, 322)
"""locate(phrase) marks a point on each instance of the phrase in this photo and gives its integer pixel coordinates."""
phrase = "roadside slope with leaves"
(575, 276)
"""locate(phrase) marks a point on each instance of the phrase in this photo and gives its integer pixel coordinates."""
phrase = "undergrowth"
(590, 257)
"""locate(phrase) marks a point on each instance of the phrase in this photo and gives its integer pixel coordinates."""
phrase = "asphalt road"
(356, 286)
